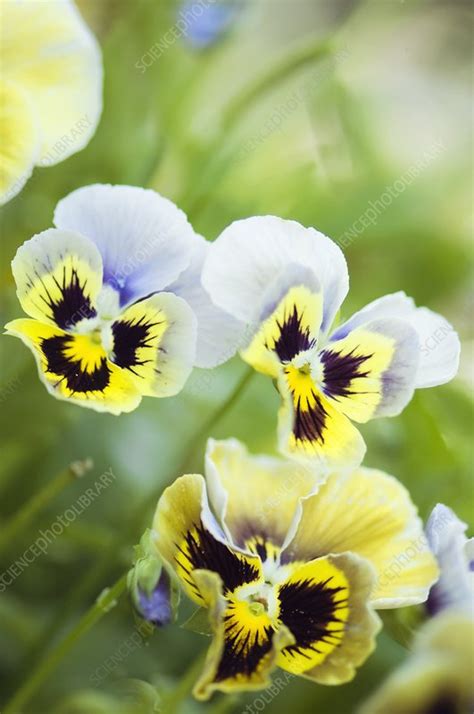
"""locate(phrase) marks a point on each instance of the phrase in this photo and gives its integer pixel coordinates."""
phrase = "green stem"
(240, 105)
(172, 701)
(99, 573)
(281, 70)
(214, 419)
(105, 602)
(26, 514)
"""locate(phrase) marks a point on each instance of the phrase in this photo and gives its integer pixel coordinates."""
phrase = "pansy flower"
(50, 87)
(289, 567)
(437, 677)
(108, 295)
(454, 552)
(286, 283)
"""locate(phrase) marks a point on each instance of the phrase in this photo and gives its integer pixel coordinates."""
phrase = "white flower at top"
(285, 284)
(50, 87)
(114, 299)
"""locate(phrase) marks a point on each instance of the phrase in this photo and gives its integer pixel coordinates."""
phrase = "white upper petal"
(251, 256)
(144, 239)
(447, 540)
(219, 334)
(440, 348)
(439, 342)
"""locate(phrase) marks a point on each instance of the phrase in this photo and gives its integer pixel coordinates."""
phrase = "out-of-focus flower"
(287, 283)
(50, 90)
(290, 569)
(437, 678)
(153, 594)
(208, 20)
(455, 555)
(103, 289)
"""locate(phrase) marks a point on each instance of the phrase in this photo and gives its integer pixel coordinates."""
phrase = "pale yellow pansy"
(50, 87)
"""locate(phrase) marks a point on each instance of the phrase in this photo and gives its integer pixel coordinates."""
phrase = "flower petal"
(58, 276)
(436, 677)
(369, 513)
(255, 497)
(75, 368)
(394, 305)
(144, 239)
(49, 51)
(309, 426)
(219, 334)
(440, 348)
(324, 604)
(291, 328)
(244, 648)
(155, 341)
(439, 342)
(20, 140)
(251, 258)
(447, 539)
(371, 372)
(188, 537)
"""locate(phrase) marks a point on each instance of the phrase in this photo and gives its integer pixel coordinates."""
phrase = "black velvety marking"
(203, 551)
(307, 609)
(77, 379)
(340, 370)
(293, 338)
(73, 305)
(238, 658)
(309, 423)
(128, 338)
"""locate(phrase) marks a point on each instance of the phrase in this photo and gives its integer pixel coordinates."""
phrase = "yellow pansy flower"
(291, 568)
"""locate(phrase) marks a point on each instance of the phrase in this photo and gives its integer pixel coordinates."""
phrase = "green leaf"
(198, 622)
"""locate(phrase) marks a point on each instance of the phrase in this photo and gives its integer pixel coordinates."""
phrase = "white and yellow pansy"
(437, 677)
(50, 87)
(107, 322)
(285, 284)
(291, 568)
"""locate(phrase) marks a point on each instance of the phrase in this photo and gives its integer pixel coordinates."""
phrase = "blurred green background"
(201, 126)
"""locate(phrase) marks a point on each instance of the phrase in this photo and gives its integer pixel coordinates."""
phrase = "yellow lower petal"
(325, 604)
(310, 426)
(76, 368)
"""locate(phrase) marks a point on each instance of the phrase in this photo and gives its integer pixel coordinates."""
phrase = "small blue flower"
(207, 21)
(156, 607)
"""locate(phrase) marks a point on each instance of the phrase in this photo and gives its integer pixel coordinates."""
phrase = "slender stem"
(283, 68)
(109, 555)
(105, 602)
(26, 514)
(214, 419)
(172, 701)
(240, 105)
